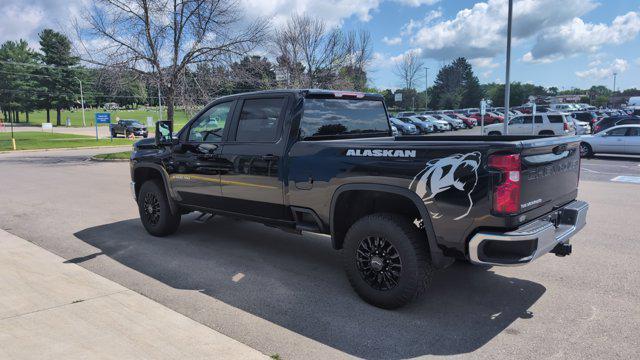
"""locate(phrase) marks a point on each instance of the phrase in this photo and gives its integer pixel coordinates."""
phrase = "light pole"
(614, 81)
(84, 121)
(426, 88)
(507, 87)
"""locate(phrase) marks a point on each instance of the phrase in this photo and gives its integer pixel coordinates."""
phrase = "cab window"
(209, 127)
(259, 120)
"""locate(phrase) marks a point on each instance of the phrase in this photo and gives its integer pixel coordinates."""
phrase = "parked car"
(612, 121)
(489, 118)
(589, 117)
(545, 124)
(469, 123)
(621, 139)
(404, 128)
(582, 127)
(405, 114)
(128, 127)
(438, 125)
(423, 127)
(394, 130)
(454, 123)
(398, 208)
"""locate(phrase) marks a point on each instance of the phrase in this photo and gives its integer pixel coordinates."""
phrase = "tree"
(253, 73)
(455, 86)
(18, 79)
(310, 55)
(408, 69)
(58, 76)
(166, 37)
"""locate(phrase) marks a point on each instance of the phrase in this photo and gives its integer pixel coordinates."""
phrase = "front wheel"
(155, 212)
(585, 150)
(387, 260)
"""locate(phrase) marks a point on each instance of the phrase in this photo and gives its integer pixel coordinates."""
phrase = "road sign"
(103, 118)
(483, 107)
(47, 126)
(398, 97)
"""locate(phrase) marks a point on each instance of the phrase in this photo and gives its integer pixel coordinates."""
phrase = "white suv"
(546, 124)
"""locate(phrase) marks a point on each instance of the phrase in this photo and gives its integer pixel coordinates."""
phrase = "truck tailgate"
(550, 172)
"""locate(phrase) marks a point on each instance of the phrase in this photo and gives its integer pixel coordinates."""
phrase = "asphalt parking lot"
(286, 294)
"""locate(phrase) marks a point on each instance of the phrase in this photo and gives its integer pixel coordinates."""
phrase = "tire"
(155, 212)
(398, 236)
(113, 134)
(585, 150)
(494, 133)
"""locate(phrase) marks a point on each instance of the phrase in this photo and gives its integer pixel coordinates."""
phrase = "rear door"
(550, 172)
(632, 141)
(252, 182)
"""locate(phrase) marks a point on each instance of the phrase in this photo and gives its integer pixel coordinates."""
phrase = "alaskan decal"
(457, 173)
(382, 153)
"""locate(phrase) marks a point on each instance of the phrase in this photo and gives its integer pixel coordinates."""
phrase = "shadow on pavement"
(297, 282)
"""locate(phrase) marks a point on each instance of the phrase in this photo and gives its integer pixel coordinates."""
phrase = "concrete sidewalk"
(50, 309)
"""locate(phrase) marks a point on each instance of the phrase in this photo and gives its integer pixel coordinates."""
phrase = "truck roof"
(306, 92)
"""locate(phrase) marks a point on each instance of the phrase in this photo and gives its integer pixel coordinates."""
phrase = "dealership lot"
(286, 294)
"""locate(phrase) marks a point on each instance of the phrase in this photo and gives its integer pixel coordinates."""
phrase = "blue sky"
(563, 43)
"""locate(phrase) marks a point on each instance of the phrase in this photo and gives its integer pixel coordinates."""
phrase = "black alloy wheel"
(379, 263)
(151, 208)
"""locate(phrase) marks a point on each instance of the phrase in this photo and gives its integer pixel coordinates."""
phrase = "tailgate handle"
(544, 158)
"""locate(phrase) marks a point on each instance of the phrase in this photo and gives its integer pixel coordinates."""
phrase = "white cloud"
(408, 28)
(334, 12)
(480, 31)
(396, 59)
(392, 41)
(580, 37)
(416, 3)
(638, 61)
(25, 19)
(487, 73)
(617, 66)
(483, 62)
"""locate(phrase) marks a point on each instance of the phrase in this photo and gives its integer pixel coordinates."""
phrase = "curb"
(55, 149)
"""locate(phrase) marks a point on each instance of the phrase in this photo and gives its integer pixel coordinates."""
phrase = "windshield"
(339, 117)
(130, 122)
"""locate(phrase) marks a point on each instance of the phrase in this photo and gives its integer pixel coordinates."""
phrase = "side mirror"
(164, 133)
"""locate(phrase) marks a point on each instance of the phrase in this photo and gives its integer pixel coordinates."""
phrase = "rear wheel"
(155, 212)
(494, 133)
(387, 260)
(585, 150)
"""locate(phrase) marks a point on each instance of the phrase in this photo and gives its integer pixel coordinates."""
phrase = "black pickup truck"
(128, 127)
(397, 207)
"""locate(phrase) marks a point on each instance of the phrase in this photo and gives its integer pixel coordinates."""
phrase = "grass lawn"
(38, 117)
(27, 140)
(123, 155)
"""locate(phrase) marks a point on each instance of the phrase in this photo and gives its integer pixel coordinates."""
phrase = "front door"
(253, 182)
(613, 141)
(196, 163)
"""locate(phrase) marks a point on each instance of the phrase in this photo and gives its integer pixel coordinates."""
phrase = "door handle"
(269, 157)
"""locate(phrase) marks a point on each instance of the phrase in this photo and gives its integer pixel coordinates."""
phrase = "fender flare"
(438, 258)
(165, 181)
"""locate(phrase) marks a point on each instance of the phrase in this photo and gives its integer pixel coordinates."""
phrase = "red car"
(468, 121)
(489, 118)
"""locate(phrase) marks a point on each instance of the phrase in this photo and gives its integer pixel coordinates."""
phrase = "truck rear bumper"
(531, 240)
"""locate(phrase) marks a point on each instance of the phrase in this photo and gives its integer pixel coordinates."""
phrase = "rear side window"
(259, 120)
(339, 117)
(556, 119)
(617, 132)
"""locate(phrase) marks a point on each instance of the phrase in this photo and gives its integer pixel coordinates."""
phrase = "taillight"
(566, 126)
(506, 195)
